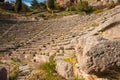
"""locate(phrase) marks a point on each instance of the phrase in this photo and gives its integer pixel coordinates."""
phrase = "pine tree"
(34, 4)
(42, 5)
(24, 7)
(1, 0)
(18, 5)
(50, 4)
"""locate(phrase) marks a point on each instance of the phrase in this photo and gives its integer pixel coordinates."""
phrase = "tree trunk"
(52, 13)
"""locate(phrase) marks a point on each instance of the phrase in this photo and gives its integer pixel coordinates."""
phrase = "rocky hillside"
(85, 46)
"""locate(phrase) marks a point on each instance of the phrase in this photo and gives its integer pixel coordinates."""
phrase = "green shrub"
(94, 24)
(84, 6)
(50, 4)
(71, 59)
(50, 72)
(18, 5)
(56, 6)
(70, 8)
(42, 6)
(49, 67)
(16, 60)
(66, 13)
(41, 15)
(46, 71)
(34, 4)
(13, 75)
(1, 52)
(24, 7)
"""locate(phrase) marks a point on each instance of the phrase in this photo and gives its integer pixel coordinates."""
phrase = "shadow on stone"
(3, 73)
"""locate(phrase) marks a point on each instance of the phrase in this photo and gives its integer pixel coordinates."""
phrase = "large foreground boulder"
(100, 57)
(3, 73)
(98, 51)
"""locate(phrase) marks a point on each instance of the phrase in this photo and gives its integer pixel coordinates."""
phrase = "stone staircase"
(40, 34)
(59, 31)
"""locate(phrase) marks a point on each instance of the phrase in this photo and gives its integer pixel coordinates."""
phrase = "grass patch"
(98, 11)
(13, 75)
(5, 12)
(16, 60)
(56, 15)
(78, 78)
(46, 71)
(1, 62)
(71, 59)
(102, 32)
(49, 67)
(94, 24)
(50, 71)
(67, 13)
(1, 52)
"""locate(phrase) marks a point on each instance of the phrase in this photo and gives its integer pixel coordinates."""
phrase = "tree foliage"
(50, 4)
(56, 6)
(34, 4)
(42, 5)
(18, 5)
(84, 6)
(24, 7)
(1, 0)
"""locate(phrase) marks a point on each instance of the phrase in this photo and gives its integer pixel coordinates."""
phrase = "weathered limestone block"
(101, 57)
(64, 69)
(41, 58)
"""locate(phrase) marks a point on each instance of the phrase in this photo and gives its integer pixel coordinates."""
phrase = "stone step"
(63, 43)
(28, 49)
(21, 78)
(7, 45)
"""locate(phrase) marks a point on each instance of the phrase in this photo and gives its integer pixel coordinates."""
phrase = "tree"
(34, 4)
(84, 6)
(18, 5)
(50, 5)
(1, 0)
(42, 5)
(24, 7)
(56, 6)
